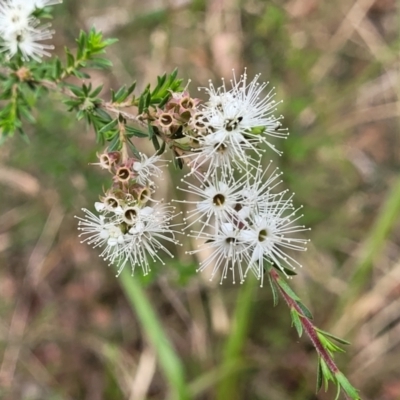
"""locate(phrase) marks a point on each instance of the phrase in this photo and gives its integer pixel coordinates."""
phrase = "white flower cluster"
(20, 30)
(127, 229)
(243, 223)
(232, 123)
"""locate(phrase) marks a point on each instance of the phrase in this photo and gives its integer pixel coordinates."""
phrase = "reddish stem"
(307, 325)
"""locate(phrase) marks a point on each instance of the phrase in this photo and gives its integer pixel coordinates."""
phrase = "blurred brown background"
(66, 330)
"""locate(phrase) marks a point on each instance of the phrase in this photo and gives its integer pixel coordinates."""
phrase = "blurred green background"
(66, 328)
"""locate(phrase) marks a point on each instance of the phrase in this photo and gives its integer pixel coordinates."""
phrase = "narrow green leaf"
(131, 88)
(164, 100)
(338, 339)
(326, 373)
(156, 144)
(296, 321)
(132, 131)
(101, 113)
(120, 95)
(151, 131)
(274, 290)
(306, 312)
(76, 90)
(162, 148)
(141, 103)
(319, 375)
(96, 91)
(115, 144)
(111, 125)
(288, 289)
(347, 386)
(338, 391)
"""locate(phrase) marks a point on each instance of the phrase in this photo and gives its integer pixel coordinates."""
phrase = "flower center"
(262, 235)
(219, 199)
(187, 103)
(220, 147)
(230, 240)
(123, 174)
(166, 120)
(130, 215)
(231, 124)
(111, 202)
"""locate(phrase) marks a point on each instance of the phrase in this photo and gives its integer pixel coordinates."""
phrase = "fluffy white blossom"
(21, 31)
(245, 224)
(146, 168)
(225, 249)
(216, 198)
(269, 236)
(130, 234)
(27, 42)
(234, 121)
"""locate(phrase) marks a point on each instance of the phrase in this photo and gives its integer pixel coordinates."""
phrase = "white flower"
(218, 196)
(258, 193)
(241, 115)
(144, 237)
(20, 30)
(146, 168)
(214, 152)
(14, 18)
(225, 248)
(26, 41)
(269, 236)
(100, 231)
(130, 236)
(29, 6)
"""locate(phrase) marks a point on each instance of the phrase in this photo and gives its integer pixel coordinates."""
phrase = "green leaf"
(76, 90)
(162, 148)
(156, 145)
(319, 375)
(288, 289)
(326, 373)
(164, 100)
(108, 127)
(274, 290)
(131, 88)
(305, 311)
(151, 131)
(101, 113)
(347, 387)
(96, 91)
(141, 104)
(296, 321)
(120, 95)
(132, 131)
(338, 339)
(115, 144)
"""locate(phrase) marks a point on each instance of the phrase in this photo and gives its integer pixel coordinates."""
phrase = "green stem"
(227, 389)
(169, 361)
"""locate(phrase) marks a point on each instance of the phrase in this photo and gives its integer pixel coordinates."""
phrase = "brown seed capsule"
(140, 193)
(123, 174)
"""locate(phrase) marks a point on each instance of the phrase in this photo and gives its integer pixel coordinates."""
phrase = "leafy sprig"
(321, 340)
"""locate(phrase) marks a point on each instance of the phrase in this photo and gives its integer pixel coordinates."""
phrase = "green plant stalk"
(169, 361)
(384, 223)
(227, 388)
